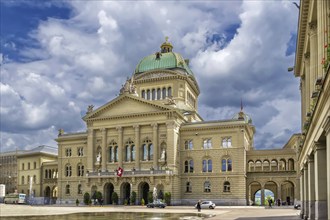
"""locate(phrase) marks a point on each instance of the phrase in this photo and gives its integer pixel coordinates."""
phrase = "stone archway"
(108, 190)
(287, 193)
(144, 188)
(47, 195)
(54, 194)
(125, 193)
(254, 187)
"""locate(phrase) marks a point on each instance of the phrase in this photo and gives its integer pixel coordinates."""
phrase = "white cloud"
(85, 59)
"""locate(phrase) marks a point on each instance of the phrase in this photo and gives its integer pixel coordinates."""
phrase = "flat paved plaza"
(228, 212)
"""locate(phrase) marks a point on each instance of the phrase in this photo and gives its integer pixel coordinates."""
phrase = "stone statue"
(98, 157)
(60, 132)
(163, 154)
(128, 87)
(154, 194)
(90, 109)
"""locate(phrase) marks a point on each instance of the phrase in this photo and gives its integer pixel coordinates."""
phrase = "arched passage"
(47, 195)
(253, 188)
(143, 192)
(287, 193)
(125, 192)
(108, 190)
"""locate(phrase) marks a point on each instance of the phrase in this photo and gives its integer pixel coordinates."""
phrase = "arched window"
(79, 189)
(164, 93)
(28, 179)
(110, 155)
(115, 154)
(153, 94)
(143, 94)
(189, 166)
(68, 170)
(29, 166)
(130, 151)
(169, 92)
(226, 186)
(207, 143)
(23, 166)
(226, 142)
(188, 145)
(207, 186)
(188, 187)
(159, 94)
(46, 174)
(207, 165)
(23, 181)
(34, 178)
(226, 165)
(290, 164)
(147, 150)
(148, 94)
(67, 189)
(80, 170)
(34, 165)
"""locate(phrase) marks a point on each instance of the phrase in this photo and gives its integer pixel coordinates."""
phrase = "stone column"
(90, 150)
(279, 194)
(306, 194)
(104, 149)
(120, 146)
(311, 187)
(262, 196)
(302, 195)
(155, 144)
(320, 181)
(314, 53)
(137, 147)
(326, 128)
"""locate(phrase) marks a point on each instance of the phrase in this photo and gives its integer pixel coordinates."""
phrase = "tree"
(150, 197)
(133, 198)
(167, 198)
(87, 198)
(114, 198)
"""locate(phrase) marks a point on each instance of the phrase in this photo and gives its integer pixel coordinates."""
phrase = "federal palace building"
(151, 138)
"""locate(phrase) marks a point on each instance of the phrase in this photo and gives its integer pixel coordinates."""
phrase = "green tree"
(167, 198)
(150, 197)
(142, 202)
(87, 198)
(133, 198)
(114, 198)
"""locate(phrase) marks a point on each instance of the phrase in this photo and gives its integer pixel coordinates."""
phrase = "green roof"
(169, 60)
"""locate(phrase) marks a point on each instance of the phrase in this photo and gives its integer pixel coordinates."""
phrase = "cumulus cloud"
(236, 50)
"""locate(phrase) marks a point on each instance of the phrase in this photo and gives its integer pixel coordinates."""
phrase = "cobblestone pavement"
(223, 213)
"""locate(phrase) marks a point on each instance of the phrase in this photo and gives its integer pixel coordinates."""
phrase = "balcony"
(131, 173)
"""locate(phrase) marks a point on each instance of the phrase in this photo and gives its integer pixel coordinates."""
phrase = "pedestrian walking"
(198, 205)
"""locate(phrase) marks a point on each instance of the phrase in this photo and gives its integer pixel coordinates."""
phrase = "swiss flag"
(120, 172)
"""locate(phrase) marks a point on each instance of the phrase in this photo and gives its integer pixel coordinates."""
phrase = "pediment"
(126, 105)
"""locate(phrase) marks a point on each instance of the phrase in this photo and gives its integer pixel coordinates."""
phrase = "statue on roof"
(90, 109)
(129, 87)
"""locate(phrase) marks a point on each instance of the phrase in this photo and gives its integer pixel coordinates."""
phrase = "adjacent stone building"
(151, 138)
(312, 66)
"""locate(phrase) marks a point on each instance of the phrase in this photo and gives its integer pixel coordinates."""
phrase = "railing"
(131, 173)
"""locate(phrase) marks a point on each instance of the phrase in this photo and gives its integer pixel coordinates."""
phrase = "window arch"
(80, 170)
(67, 189)
(143, 94)
(226, 186)
(188, 145)
(148, 94)
(68, 170)
(226, 142)
(169, 92)
(226, 165)
(207, 165)
(207, 143)
(79, 189)
(147, 150)
(189, 166)
(130, 151)
(164, 93)
(207, 186)
(23, 181)
(188, 187)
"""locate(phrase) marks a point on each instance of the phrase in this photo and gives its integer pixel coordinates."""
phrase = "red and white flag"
(120, 172)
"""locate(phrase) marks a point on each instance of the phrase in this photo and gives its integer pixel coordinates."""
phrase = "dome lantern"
(166, 47)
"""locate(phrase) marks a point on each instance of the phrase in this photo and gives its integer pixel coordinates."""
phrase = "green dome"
(168, 60)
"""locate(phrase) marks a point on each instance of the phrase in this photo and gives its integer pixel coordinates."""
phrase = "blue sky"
(58, 57)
